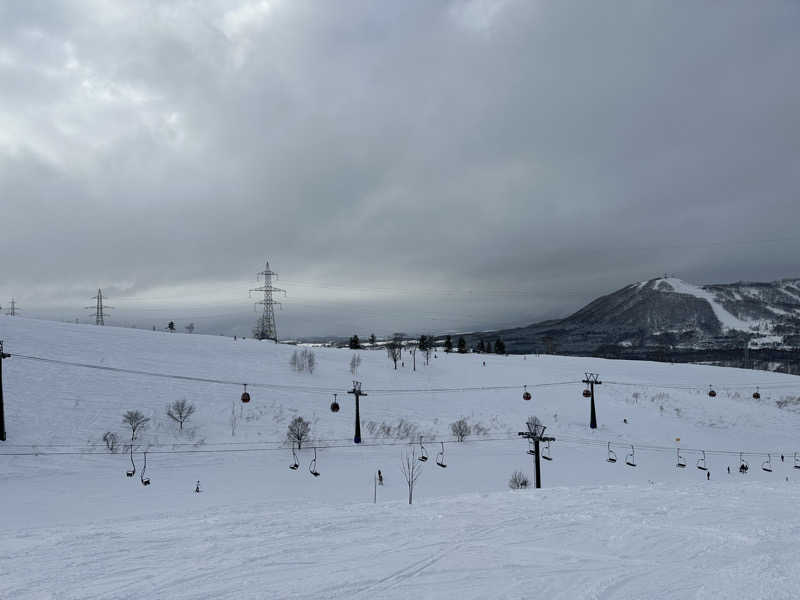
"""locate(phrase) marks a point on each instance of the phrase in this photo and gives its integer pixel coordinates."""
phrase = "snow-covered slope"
(73, 526)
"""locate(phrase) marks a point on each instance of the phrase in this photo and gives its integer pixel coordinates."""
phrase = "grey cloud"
(561, 149)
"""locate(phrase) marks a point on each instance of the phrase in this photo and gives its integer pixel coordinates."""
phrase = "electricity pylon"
(99, 308)
(266, 328)
(12, 311)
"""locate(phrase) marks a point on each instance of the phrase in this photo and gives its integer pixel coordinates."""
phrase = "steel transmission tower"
(265, 328)
(12, 311)
(99, 308)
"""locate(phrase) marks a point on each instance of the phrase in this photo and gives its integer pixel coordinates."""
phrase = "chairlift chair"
(423, 455)
(681, 461)
(612, 456)
(767, 464)
(440, 461)
(132, 471)
(295, 465)
(630, 459)
(744, 466)
(531, 451)
(701, 462)
(587, 393)
(546, 452)
(145, 480)
(796, 461)
(312, 467)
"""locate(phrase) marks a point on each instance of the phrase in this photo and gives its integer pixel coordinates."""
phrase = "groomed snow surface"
(73, 526)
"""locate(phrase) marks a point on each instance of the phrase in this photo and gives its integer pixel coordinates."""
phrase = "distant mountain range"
(669, 319)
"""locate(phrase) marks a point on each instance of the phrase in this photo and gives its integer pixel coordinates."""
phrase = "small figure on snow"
(380, 477)
(781, 457)
(708, 475)
(484, 363)
(625, 421)
(197, 487)
(729, 470)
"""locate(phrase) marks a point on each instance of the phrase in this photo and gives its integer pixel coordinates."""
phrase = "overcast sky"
(416, 165)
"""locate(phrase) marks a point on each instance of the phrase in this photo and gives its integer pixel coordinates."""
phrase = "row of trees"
(461, 346)
(428, 343)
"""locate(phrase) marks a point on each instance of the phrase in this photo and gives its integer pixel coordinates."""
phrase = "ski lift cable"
(261, 447)
(378, 391)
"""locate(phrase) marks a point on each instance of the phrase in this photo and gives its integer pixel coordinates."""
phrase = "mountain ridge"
(669, 317)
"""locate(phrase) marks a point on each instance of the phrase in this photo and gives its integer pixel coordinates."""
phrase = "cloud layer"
(477, 161)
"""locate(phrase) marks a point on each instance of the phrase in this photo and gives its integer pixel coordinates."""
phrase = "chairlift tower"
(266, 328)
(535, 433)
(591, 380)
(3, 356)
(356, 391)
(99, 308)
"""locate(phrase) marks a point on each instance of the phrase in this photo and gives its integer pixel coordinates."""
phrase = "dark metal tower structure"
(12, 311)
(99, 308)
(266, 328)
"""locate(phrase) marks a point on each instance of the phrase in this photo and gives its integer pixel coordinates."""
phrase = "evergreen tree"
(448, 344)
(423, 342)
(171, 326)
(355, 343)
(372, 340)
(499, 346)
(481, 347)
(462, 345)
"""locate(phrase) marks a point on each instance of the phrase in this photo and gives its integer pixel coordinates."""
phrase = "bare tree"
(298, 431)
(428, 350)
(136, 421)
(355, 362)
(112, 443)
(189, 328)
(412, 350)
(303, 360)
(234, 420)
(461, 429)
(394, 349)
(518, 481)
(180, 411)
(412, 469)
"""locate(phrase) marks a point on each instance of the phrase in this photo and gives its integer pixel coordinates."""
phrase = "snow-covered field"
(73, 526)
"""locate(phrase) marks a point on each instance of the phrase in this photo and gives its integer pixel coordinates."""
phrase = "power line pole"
(356, 391)
(266, 328)
(535, 433)
(12, 312)
(3, 355)
(591, 380)
(99, 308)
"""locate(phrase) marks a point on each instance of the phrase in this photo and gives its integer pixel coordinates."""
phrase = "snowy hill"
(75, 527)
(668, 318)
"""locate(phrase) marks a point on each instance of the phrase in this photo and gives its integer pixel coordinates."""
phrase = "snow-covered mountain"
(673, 317)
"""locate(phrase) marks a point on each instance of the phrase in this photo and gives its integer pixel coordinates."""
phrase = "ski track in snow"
(74, 527)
